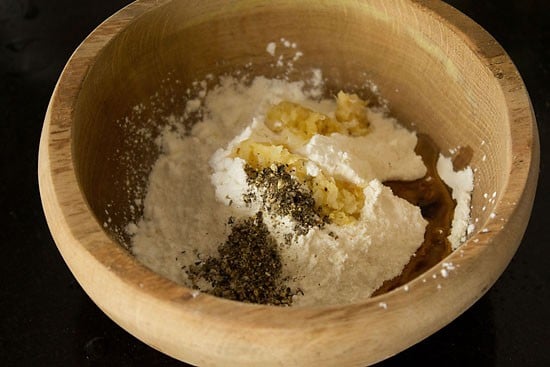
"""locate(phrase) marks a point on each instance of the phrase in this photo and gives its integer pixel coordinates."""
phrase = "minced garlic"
(338, 200)
(351, 113)
(350, 118)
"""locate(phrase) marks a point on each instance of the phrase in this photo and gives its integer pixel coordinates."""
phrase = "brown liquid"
(434, 198)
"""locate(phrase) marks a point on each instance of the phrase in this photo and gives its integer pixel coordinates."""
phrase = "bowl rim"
(78, 234)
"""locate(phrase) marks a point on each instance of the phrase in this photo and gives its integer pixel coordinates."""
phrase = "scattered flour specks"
(271, 47)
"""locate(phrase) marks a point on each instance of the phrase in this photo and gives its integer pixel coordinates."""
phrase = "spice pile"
(248, 267)
(283, 195)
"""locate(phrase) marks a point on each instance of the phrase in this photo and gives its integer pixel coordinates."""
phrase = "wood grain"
(441, 73)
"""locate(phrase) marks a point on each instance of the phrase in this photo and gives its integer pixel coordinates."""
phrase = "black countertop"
(47, 320)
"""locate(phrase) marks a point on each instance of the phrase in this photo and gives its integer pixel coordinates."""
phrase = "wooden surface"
(438, 70)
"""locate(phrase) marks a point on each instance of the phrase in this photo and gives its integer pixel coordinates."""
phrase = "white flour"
(185, 216)
(461, 184)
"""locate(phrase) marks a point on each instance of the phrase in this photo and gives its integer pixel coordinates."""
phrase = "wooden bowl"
(440, 72)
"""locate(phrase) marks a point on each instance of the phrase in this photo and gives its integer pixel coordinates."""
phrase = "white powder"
(386, 153)
(184, 214)
(353, 265)
(271, 46)
(462, 184)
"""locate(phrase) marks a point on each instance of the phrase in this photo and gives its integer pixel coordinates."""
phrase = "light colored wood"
(438, 69)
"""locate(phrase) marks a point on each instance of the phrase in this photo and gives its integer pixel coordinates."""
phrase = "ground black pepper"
(283, 194)
(248, 267)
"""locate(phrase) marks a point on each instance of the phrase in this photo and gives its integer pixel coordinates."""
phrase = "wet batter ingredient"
(434, 198)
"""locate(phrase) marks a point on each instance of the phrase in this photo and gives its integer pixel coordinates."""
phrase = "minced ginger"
(340, 201)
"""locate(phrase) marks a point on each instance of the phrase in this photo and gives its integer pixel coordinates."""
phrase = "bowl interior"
(432, 81)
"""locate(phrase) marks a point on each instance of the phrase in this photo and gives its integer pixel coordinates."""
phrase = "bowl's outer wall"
(441, 73)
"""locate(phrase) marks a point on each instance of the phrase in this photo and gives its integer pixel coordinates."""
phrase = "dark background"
(47, 320)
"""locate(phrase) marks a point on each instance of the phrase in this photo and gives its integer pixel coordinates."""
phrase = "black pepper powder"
(248, 267)
(283, 194)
